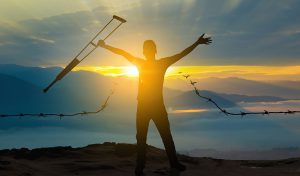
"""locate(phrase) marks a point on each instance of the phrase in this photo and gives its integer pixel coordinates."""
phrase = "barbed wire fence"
(61, 115)
(226, 112)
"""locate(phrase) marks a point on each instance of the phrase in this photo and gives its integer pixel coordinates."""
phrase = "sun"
(131, 71)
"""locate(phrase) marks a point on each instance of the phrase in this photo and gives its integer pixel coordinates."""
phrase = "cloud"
(231, 5)
(244, 32)
(10, 27)
(6, 43)
(37, 40)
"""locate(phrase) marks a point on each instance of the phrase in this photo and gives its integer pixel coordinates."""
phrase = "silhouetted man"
(150, 98)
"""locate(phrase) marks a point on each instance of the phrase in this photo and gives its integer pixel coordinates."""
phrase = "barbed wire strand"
(226, 112)
(60, 115)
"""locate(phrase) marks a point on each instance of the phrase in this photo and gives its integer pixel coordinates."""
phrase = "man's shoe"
(179, 167)
(139, 171)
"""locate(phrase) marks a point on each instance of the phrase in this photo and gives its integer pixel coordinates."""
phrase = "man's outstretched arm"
(172, 59)
(118, 51)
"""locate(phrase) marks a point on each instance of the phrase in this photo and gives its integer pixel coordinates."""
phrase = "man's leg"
(162, 123)
(142, 123)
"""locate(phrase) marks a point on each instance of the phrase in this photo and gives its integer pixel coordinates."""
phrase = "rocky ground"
(110, 159)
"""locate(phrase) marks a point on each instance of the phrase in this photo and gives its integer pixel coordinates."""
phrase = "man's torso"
(151, 79)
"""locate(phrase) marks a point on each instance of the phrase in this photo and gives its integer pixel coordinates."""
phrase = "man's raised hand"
(101, 43)
(203, 40)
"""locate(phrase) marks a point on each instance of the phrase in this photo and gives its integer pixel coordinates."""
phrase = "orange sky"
(246, 72)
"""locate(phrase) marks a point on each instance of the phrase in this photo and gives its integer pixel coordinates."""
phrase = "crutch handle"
(122, 20)
(68, 68)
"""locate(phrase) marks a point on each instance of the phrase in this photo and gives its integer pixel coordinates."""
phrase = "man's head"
(149, 49)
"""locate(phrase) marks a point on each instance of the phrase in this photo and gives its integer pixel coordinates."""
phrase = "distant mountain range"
(79, 89)
(282, 89)
(245, 98)
(21, 90)
(285, 83)
(190, 100)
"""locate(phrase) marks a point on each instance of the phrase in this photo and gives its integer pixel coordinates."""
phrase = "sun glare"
(131, 71)
(178, 111)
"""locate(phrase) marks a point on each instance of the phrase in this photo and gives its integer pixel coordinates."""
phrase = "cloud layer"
(245, 32)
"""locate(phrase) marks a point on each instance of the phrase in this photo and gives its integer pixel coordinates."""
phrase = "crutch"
(76, 61)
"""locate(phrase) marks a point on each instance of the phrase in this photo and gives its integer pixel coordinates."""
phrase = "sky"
(247, 34)
(252, 39)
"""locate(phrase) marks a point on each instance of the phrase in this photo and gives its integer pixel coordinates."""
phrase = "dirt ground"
(110, 159)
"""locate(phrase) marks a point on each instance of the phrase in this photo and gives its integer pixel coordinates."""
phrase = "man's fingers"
(208, 41)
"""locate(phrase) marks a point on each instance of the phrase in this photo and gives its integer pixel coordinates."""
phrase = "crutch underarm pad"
(119, 18)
